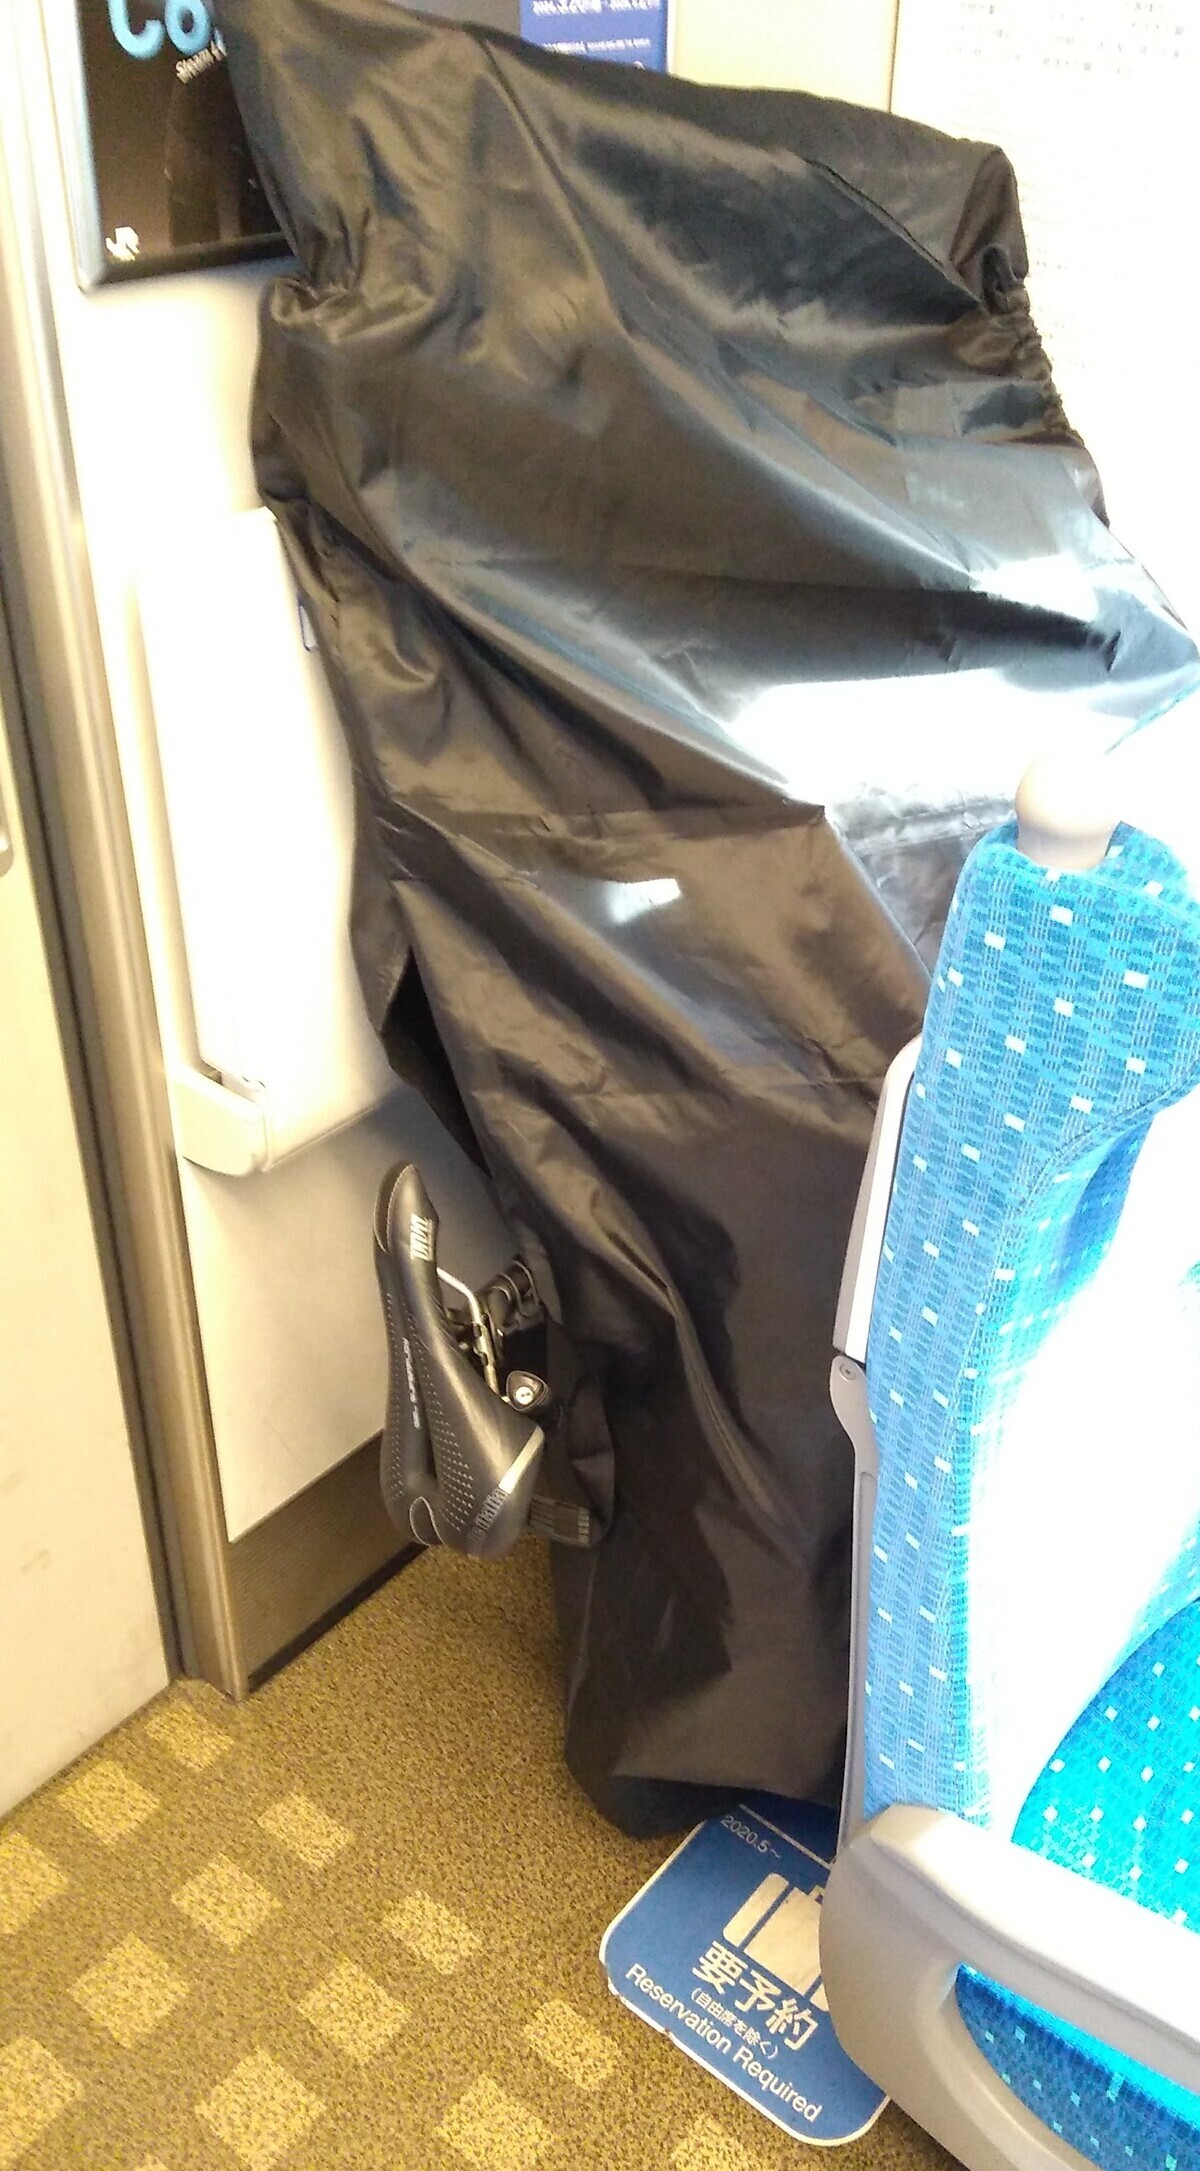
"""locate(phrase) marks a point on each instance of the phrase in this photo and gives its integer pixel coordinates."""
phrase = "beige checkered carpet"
(351, 1926)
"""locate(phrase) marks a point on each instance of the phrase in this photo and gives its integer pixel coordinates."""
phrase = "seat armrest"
(919, 1893)
(848, 1390)
(861, 1270)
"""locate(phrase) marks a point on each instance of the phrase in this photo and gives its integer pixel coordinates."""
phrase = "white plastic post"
(1067, 811)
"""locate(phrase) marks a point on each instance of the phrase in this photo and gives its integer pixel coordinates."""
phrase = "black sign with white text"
(175, 177)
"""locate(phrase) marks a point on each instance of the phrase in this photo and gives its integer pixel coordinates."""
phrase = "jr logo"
(187, 23)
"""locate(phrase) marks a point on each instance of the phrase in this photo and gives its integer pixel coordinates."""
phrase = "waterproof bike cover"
(698, 550)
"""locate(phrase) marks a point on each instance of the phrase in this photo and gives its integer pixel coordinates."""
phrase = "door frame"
(64, 744)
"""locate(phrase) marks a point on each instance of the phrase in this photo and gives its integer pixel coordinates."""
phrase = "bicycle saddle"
(459, 1462)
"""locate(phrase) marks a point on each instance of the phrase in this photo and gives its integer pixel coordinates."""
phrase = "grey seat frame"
(917, 1893)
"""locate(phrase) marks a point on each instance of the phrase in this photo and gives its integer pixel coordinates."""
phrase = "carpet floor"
(351, 1925)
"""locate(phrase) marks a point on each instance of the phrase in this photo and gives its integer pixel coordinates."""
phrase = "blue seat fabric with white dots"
(1033, 1375)
(1107, 2107)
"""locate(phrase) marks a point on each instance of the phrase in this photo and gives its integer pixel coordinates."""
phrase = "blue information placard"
(720, 1951)
(630, 31)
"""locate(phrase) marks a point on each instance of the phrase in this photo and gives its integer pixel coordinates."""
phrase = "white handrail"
(259, 801)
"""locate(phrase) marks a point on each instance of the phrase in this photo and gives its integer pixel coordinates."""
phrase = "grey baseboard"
(294, 1574)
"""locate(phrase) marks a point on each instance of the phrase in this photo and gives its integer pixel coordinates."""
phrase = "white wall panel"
(80, 1646)
(1096, 106)
(158, 378)
(838, 48)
